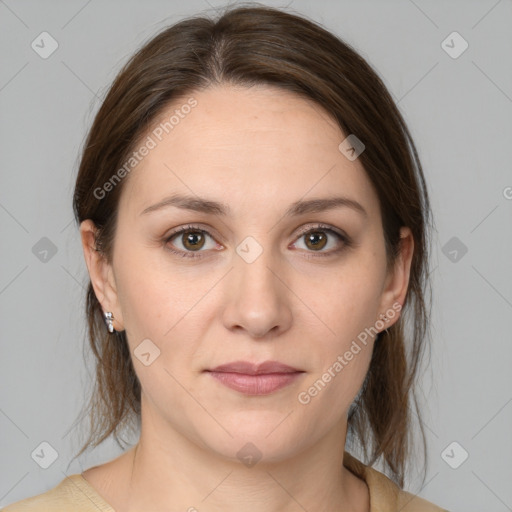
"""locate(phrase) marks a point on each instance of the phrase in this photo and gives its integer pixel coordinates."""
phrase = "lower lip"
(255, 384)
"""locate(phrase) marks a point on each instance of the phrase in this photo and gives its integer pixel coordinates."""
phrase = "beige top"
(75, 494)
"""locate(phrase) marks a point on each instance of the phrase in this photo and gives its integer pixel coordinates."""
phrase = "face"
(254, 283)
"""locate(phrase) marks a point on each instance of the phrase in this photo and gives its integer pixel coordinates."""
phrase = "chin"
(255, 441)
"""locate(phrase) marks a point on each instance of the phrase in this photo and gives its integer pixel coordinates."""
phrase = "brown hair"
(245, 46)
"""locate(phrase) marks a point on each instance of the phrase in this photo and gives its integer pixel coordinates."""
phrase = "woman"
(254, 220)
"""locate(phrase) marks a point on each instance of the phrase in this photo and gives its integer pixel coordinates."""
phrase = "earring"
(108, 318)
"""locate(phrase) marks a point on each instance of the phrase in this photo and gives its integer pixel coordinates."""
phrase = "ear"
(100, 273)
(397, 280)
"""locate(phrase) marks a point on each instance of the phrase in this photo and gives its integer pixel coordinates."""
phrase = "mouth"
(255, 379)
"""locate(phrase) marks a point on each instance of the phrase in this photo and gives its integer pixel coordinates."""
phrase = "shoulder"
(72, 493)
(408, 502)
(384, 493)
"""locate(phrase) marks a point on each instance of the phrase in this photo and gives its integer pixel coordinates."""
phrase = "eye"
(192, 239)
(319, 237)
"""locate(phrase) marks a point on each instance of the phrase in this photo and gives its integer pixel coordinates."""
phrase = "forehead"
(252, 147)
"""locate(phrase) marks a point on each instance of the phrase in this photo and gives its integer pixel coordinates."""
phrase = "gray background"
(459, 112)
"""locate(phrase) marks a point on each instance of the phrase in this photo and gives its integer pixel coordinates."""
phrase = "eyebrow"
(301, 207)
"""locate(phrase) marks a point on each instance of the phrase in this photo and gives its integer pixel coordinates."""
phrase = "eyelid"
(321, 226)
(208, 230)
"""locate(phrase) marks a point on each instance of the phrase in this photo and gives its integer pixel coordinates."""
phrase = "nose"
(257, 297)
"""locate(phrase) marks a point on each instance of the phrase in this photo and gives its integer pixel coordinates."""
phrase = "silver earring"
(108, 318)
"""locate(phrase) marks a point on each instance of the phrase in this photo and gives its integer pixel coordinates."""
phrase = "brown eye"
(193, 240)
(316, 240)
(189, 241)
(320, 237)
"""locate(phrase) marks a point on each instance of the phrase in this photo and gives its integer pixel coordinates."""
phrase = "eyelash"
(347, 242)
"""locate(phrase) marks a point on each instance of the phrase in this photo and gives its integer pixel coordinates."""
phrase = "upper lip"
(249, 368)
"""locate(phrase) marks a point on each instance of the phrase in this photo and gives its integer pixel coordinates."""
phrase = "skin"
(258, 150)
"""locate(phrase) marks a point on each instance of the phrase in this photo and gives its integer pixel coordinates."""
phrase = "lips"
(255, 379)
(249, 368)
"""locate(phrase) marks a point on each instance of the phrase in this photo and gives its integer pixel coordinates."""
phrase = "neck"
(166, 470)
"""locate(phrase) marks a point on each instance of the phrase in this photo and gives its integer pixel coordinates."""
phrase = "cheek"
(351, 300)
(154, 309)
(327, 395)
(159, 304)
(349, 307)
(148, 296)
